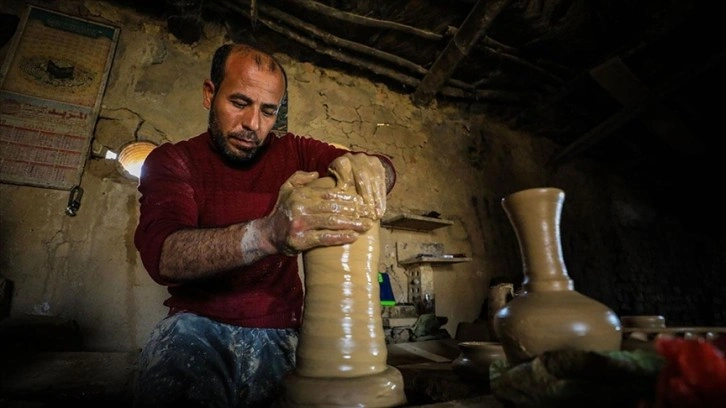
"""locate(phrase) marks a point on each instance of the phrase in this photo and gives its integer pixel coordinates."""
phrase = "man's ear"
(207, 94)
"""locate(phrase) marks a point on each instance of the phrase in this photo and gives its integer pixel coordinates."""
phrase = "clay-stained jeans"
(192, 361)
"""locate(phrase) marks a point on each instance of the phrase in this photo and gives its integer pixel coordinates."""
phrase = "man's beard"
(219, 139)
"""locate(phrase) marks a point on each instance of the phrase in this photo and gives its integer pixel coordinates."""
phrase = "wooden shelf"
(413, 222)
(433, 259)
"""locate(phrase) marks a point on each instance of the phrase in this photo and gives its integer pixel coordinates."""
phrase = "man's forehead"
(247, 56)
(243, 71)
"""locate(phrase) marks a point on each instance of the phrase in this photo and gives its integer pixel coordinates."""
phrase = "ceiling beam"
(631, 111)
(474, 26)
(675, 17)
(620, 82)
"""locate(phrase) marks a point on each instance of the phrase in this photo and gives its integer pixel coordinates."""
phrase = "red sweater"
(188, 185)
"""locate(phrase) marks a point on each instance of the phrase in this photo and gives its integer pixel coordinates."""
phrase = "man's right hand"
(311, 213)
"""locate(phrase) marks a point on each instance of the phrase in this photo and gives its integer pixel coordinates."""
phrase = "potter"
(223, 217)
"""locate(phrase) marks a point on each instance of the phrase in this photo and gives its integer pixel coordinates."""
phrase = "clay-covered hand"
(366, 175)
(306, 216)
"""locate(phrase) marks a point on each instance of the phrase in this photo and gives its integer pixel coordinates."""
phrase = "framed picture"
(51, 86)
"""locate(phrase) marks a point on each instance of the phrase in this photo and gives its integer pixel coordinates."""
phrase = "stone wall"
(618, 247)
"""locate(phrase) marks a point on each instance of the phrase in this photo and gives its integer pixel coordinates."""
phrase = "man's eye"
(269, 113)
(238, 104)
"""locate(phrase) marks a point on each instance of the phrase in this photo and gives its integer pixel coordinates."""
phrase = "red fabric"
(694, 374)
(188, 185)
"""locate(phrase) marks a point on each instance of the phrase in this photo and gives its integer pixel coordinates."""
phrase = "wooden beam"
(338, 55)
(365, 21)
(632, 111)
(625, 87)
(674, 18)
(474, 26)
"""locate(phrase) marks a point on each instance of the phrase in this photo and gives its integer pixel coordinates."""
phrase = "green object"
(387, 298)
(576, 378)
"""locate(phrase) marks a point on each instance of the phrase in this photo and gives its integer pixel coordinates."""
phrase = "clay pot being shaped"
(341, 358)
(549, 314)
(475, 358)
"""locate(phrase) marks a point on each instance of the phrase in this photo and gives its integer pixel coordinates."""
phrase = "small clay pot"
(637, 340)
(475, 358)
(643, 321)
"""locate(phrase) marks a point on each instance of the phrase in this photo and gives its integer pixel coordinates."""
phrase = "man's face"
(244, 108)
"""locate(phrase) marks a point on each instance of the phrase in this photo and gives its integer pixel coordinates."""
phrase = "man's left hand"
(366, 174)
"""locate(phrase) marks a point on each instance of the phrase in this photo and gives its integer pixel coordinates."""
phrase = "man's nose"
(251, 118)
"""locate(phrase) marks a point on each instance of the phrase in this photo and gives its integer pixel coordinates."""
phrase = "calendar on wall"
(51, 86)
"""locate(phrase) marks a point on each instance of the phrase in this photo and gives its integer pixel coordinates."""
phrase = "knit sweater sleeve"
(167, 204)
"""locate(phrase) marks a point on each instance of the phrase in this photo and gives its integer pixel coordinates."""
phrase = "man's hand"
(309, 214)
(366, 175)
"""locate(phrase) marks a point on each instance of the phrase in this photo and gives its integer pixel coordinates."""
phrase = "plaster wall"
(86, 267)
(448, 160)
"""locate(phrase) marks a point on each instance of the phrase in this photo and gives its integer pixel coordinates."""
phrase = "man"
(223, 216)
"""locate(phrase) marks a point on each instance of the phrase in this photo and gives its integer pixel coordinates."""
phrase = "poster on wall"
(51, 86)
(280, 127)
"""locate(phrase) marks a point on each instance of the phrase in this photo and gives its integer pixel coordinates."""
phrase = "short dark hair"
(220, 59)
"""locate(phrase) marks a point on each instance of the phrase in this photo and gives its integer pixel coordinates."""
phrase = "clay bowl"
(474, 359)
(643, 321)
(635, 339)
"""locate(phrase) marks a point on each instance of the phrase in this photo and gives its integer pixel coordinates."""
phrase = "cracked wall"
(448, 160)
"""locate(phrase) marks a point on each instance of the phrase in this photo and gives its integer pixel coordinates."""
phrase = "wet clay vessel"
(341, 359)
(474, 360)
(549, 314)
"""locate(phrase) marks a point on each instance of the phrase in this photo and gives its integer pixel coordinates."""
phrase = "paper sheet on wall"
(51, 86)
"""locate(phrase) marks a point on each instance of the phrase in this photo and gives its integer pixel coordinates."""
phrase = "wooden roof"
(635, 84)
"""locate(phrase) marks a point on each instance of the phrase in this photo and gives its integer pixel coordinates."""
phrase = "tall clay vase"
(342, 352)
(549, 314)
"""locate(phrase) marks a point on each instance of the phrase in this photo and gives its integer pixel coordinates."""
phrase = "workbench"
(85, 378)
(429, 380)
